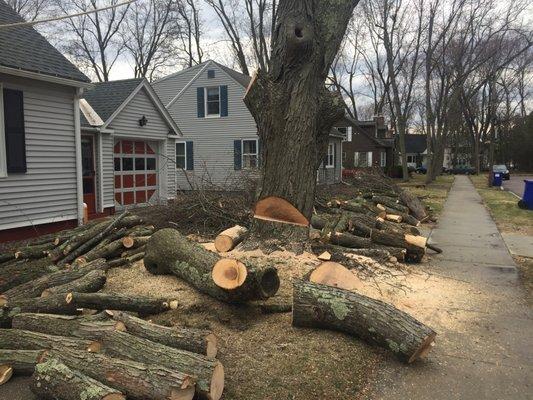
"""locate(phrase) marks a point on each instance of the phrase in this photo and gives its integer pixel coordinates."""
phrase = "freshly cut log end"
(228, 239)
(276, 209)
(6, 372)
(419, 241)
(229, 274)
(212, 346)
(393, 218)
(128, 242)
(336, 275)
(325, 256)
(3, 300)
(217, 382)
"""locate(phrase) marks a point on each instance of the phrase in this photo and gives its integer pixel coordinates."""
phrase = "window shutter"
(200, 102)
(190, 156)
(349, 134)
(334, 155)
(14, 130)
(369, 158)
(259, 155)
(237, 155)
(356, 159)
(223, 101)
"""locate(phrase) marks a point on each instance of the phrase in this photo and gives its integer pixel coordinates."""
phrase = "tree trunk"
(121, 261)
(136, 380)
(34, 251)
(195, 340)
(418, 210)
(391, 203)
(20, 272)
(53, 305)
(53, 380)
(17, 339)
(349, 240)
(293, 110)
(224, 279)
(134, 241)
(228, 239)
(320, 306)
(109, 301)
(92, 282)
(415, 249)
(21, 361)
(383, 253)
(209, 373)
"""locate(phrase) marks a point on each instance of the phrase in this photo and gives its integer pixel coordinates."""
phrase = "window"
(330, 162)
(361, 159)
(344, 156)
(212, 101)
(410, 159)
(383, 160)
(249, 153)
(181, 155)
(3, 163)
(210, 73)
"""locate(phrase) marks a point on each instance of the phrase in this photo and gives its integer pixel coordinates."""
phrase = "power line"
(42, 21)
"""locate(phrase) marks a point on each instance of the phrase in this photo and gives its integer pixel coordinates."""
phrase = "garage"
(136, 181)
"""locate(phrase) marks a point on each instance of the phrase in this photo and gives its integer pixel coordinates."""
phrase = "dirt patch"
(525, 267)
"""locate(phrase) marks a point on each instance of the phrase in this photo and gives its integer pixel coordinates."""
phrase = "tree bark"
(21, 361)
(194, 340)
(136, 380)
(170, 252)
(34, 251)
(108, 301)
(54, 380)
(391, 203)
(92, 282)
(209, 373)
(228, 239)
(418, 210)
(320, 306)
(415, 252)
(17, 339)
(349, 240)
(383, 253)
(21, 272)
(121, 261)
(53, 305)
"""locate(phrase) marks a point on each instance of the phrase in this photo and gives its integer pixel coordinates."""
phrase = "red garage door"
(135, 172)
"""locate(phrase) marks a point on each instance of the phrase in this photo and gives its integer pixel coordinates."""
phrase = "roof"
(358, 126)
(243, 79)
(415, 143)
(23, 48)
(106, 97)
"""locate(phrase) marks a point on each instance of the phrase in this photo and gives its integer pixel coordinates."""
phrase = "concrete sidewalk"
(487, 352)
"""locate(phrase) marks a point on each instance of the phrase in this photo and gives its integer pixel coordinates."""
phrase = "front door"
(89, 184)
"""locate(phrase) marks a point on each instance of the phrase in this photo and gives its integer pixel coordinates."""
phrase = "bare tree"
(190, 34)
(94, 40)
(29, 9)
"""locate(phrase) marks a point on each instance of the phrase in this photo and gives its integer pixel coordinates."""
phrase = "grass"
(433, 195)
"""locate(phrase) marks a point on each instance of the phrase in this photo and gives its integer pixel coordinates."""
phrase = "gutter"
(79, 168)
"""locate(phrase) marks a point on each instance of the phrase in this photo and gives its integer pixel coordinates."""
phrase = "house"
(40, 138)
(330, 171)
(220, 147)
(416, 150)
(128, 144)
(368, 143)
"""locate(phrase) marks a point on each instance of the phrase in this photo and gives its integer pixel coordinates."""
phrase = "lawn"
(433, 195)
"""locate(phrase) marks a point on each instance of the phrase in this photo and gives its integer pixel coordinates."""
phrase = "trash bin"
(497, 179)
(527, 199)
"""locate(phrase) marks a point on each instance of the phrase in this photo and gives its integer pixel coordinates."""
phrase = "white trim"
(369, 160)
(181, 72)
(176, 154)
(3, 155)
(383, 158)
(101, 173)
(37, 222)
(79, 168)
(206, 114)
(250, 154)
(332, 165)
(188, 84)
(90, 115)
(45, 78)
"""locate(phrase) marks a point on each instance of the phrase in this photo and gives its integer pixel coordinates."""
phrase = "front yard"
(433, 195)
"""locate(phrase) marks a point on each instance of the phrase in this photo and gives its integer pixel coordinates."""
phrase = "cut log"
(349, 240)
(133, 252)
(209, 373)
(22, 362)
(276, 209)
(54, 304)
(93, 254)
(383, 225)
(418, 210)
(227, 240)
(34, 251)
(92, 282)
(20, 272)
(320, 306)
(381, 252)
(393, 218)
(354, 206)
(136, 380)
(325, 256)
(66, 325)
(389, 202)
(36, 287)
(6, 372)
(407, 218)
(414, 251)
(194, 340)
(17, 339)
(108, 301)
(75, 240)
(121, 261)
(419, 241)
(54, 380)
(7, 256)
(233, 281)
(334, 274)
(134, 241)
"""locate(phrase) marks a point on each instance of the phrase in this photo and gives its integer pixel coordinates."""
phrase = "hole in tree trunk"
(270, 283)
(298, 32)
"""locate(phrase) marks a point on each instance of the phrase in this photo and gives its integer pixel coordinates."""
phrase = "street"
(516, 184)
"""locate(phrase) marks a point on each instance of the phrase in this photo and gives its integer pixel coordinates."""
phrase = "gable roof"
(108, 99)
(415, 143)
(358, 126)
(23, 48)
(241, 78)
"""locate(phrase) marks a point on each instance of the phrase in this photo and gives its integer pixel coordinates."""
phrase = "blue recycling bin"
(497, 179)
(527, 199)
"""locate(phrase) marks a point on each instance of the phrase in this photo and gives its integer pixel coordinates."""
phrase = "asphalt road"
(516, 184)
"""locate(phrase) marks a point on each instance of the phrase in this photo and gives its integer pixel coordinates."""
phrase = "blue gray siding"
(330, 176)
(47, 191)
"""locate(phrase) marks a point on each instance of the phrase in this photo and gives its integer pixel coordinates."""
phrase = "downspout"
(79, 168)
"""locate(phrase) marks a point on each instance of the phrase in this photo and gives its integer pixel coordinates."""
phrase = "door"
(89, 181)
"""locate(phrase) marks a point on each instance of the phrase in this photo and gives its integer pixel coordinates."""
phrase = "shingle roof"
(24, 48)
(106, 97)
(244, 80)
(415, 143)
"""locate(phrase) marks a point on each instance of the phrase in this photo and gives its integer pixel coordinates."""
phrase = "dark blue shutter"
(237, 155)
(259, 154)
(14, 130)
(200, 102)
(223, 101)
(190, 156)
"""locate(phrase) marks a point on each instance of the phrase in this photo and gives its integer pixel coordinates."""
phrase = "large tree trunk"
(320, 306)
(54, 380)
(293, 109)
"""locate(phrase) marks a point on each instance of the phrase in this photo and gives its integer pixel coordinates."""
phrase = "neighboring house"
(40, 160)
(128, 147)
(220, 146)
(368, 143)
(330, 171)
(416, 150)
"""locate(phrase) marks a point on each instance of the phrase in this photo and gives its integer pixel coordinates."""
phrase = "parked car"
(463, 170)
(421, 170)
(502, 169)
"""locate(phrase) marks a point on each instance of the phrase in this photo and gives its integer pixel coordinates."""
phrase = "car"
(502, 169)
(463, 170)
(421, 170)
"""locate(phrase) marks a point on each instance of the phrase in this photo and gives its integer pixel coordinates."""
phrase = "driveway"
(516, 184)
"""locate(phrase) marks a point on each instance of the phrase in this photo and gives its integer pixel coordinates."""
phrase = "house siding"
(329, 176)
(213, 137)
(47, 191)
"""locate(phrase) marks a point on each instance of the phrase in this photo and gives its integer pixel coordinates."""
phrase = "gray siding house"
(220, 147)
(40, 161)
(128, 147)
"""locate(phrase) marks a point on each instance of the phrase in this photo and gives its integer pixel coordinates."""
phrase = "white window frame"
(206, 90)
(250, 154)
(330, 162)
(176, 155)
(369, 160)
(3, 154)
(356, 156)
(383, 159)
